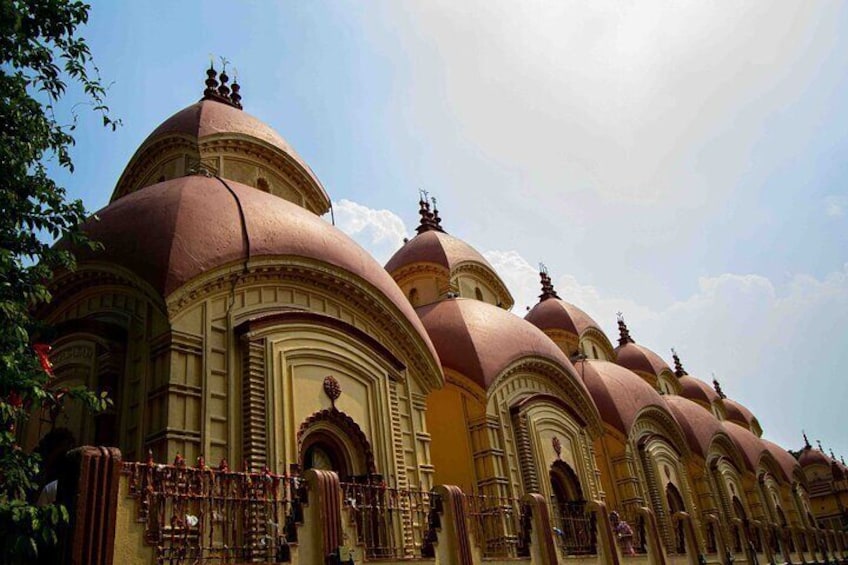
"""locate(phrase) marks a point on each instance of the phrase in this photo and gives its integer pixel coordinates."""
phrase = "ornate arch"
(564, 384)
(342, 433)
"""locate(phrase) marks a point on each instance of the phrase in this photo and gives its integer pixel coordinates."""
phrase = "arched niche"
(332, 441)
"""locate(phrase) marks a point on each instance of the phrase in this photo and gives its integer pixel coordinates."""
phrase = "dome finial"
(428, 219)
(235, 97)
(806, 441)
(623, 333)
(436, 219)
(679, 371)
(548, 290)
(717, 387)
(223, 89)
(818, 442)
(211, 91)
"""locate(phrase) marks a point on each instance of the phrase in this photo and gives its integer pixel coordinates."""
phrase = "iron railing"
(500, 525)
(208, 515)
(391, 523)
(635, 541)
(575, 530)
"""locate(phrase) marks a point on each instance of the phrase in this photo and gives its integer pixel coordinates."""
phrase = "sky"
(684, 163)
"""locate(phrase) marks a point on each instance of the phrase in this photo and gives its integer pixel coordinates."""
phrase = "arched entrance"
(675, 504)
(330, 440)
(574, 528)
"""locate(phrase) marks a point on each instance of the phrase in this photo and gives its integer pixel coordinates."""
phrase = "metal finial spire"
(623, 333)
(806, 441)
(429, 219)
(548, 290)
(235, 96)
(818, 443)
(679, 371)
(436, 218)
(717, 387)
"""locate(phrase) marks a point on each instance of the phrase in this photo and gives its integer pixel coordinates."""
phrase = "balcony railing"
(207, 515)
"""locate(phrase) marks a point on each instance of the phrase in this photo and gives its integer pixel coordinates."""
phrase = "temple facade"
(279, 396)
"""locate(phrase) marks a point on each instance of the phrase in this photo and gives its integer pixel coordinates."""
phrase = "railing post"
(656, 553)
(721, 546)
(90, 492)
(610, 547)
(690, 542)
(542, 547)
(320, 536)
(453, 544)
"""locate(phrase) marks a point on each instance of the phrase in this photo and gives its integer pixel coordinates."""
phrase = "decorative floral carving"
(557, 446)
(332, 388)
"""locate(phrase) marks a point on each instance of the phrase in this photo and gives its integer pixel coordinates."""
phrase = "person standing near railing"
(623, 532)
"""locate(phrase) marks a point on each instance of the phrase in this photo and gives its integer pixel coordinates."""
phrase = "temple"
(281, 397)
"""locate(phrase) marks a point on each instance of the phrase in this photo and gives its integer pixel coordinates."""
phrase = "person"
(623, 532)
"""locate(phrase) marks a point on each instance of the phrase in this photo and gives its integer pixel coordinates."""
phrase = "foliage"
(40, 55)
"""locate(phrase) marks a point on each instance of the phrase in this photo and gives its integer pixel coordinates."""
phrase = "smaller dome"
(810, 457)
(436, 247)
(479, 340)
(788, 464)
(695, 389)
(699, 426)
(618, 393)
(197, 130)
(554, 313)
(636, 357)
(459, 268)
(738, 413)
(750, 445)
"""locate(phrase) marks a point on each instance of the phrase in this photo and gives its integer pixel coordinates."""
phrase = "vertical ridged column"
(254, 428)
(525, 452)
(656, 501)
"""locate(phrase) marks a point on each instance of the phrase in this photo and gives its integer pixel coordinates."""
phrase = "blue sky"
(684, 163)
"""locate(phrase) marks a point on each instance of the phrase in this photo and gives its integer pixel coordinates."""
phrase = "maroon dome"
(171, 232)
(618, 393)
(479, 340)
(209, 118)
(699, 426)
(697, 390)
(436, 247)
(738, 413)
(750, 445)
(810, 456)
(637, 358)
(557, 314)
(788, 463)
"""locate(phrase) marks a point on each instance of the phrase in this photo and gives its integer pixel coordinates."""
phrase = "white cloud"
(779, 349)
(834, 206)
(380, 231)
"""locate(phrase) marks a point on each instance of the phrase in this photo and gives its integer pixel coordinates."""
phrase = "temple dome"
(230, 143)
(479, 340)
(434, 265)
(788, 464)
(810, 456)
(637, 358)
(699, 426)
(737, 413)
(618, 393)
(172, 232)
(697, 390)
(750, 445)
(557, 314)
